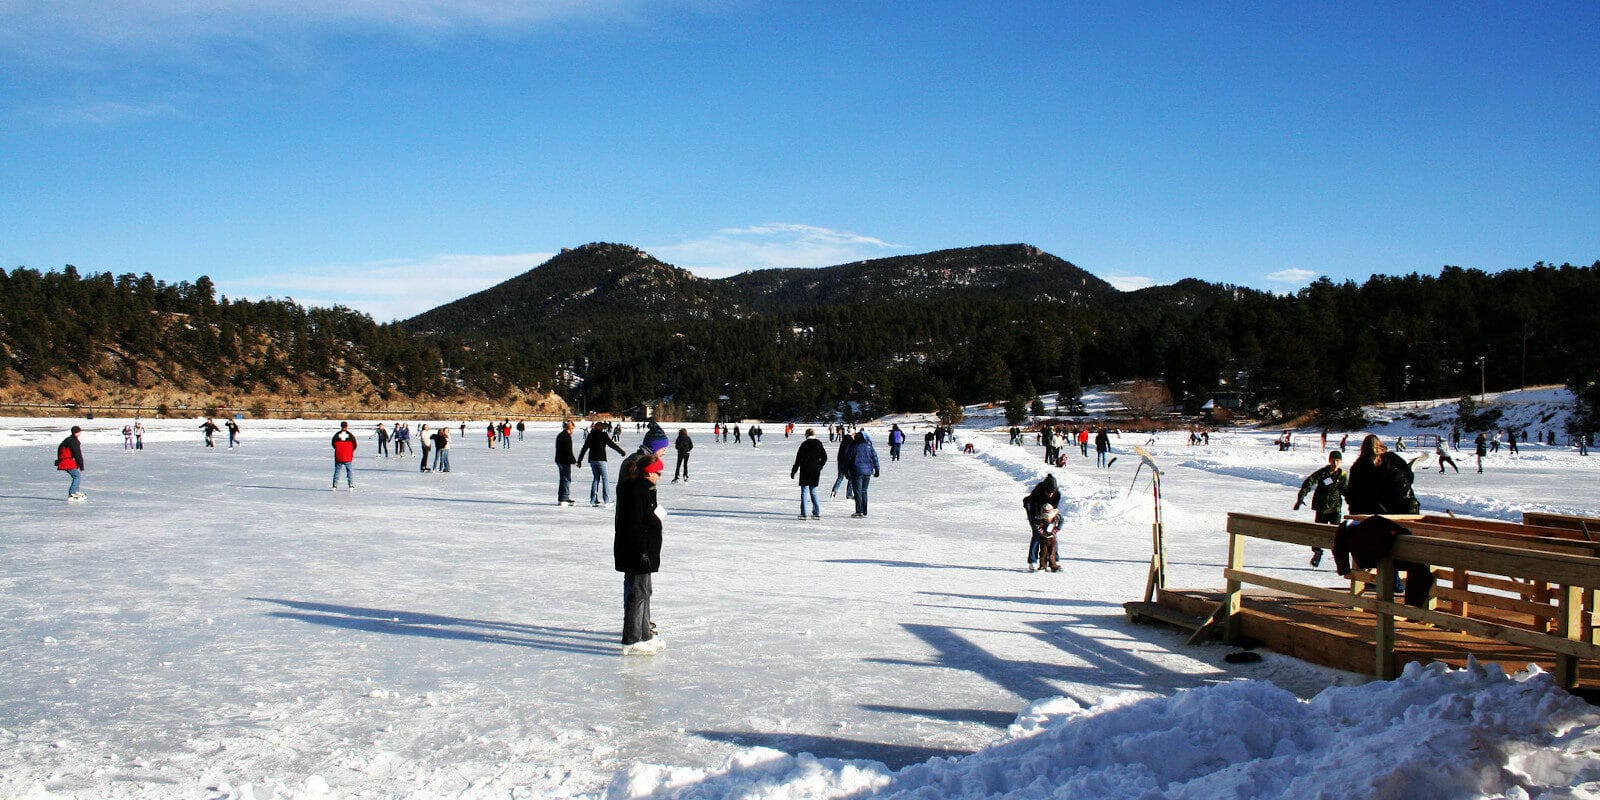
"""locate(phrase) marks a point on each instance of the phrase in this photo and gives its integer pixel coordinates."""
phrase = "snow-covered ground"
(216, 623)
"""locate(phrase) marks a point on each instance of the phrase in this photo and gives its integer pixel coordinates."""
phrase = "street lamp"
(1482, 393)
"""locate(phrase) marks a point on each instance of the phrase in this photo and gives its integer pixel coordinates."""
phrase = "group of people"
(133, 436)
(1056, 439)
(1378, 483)
(857, 466)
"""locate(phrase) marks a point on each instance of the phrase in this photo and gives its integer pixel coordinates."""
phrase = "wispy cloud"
(734, 250)
(1129, 283)
(1291, 277)
(140, 24)
(102, 112)
(387, 290)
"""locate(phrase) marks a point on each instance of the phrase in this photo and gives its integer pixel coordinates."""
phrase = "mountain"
(595, 285)
(601, 284)
(993, 272)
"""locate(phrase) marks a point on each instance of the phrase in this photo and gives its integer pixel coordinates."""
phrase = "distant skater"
(344, 452)
(594, 446)
(210, 429)
(69, 459)
(808, 463)
(863, 468)
(1444, 457)
(427, 447)
(138, 434)
(682, 445)
(233, 433)
(564, 461)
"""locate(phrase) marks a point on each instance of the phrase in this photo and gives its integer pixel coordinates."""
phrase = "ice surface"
(216, 623)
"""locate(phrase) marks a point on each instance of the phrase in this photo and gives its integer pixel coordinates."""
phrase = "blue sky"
(392, 156)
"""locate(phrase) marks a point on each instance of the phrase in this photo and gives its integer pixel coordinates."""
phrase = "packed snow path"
(212, 619)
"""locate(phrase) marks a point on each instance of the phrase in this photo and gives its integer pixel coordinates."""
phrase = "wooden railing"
(1528, 585)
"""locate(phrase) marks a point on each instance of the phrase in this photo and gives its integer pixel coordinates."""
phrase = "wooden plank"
(1545, 544)
(1172, 616)
(1385, 667)
(1569, 627)
(1487, 630)
(1230, 610)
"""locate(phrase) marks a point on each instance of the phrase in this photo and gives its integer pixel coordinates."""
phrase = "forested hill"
(133, 341)
(610, 327)
(617, 327)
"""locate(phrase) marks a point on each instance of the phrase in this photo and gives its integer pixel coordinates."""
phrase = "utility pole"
(1482, 385)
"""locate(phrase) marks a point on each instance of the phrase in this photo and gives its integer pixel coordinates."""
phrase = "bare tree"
(1145, 398)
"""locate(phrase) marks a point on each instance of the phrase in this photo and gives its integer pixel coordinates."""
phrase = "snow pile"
(1432, 733)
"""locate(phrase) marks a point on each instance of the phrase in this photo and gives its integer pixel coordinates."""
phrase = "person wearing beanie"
(636, 550)
(655, 440)
(69, 459)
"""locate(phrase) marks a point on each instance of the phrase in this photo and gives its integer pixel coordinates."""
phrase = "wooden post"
(1235, 598)
(1385, 667)
(1570, 627)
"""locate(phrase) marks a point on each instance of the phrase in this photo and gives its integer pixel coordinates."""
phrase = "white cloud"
(734, 250)
(388, 290)
(141, 24)
(1129, 283)
(105, 112)
(1291, 277)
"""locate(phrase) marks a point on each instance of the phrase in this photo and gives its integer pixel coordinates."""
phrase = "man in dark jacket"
(1327, 487)
(69, 459)
(564, 461)
(808, 463)
(636, 549)
(594, 446)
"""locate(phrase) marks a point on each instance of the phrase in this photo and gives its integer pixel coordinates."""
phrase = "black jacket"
(684, 444)
(1044, 492)
(808, 462)
(847, 446)
(637, 547)
(564, 449)
(595, 446)
(1384, 488)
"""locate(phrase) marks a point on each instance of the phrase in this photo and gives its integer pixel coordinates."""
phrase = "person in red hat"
(637, 547)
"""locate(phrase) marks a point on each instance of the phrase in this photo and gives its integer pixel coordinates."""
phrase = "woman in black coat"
(808, 463)
(637, 550)
(1044, 493)
(1380, 481)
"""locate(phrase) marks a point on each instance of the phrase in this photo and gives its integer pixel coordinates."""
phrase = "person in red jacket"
(69, 459)
(344, 452)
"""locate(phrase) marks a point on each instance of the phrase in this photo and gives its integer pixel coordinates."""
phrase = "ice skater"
(69, 459)
(636, 549)
(1326, 486)
(344, 452)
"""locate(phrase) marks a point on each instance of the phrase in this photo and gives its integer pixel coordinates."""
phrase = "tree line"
(1327, 349)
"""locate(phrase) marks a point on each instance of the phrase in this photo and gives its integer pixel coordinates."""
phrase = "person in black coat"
(1380, 481)
(637, 549)
(683, 445)
(808, 463)
(595, 448)
(564, 461)
(1045, 493)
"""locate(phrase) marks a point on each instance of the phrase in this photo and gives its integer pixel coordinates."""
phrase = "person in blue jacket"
(864, 467)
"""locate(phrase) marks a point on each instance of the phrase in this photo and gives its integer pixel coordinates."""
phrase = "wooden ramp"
(1344, 638)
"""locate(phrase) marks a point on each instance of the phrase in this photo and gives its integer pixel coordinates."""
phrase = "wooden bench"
(1533, 586)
